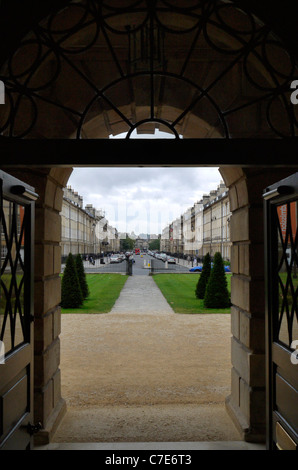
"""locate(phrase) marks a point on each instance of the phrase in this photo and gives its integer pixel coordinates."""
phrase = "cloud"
(143, 199)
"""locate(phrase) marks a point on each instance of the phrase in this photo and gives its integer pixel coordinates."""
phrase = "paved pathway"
(141, 295)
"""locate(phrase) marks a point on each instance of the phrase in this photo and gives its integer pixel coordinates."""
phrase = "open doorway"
(149, 370)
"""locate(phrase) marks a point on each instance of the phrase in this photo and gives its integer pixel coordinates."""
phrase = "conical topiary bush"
(204, 277)
(217, 294)
(82, 276)
(71, 294)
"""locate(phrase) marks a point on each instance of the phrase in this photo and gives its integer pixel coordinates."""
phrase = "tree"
(82, 276)
(154, 244)
(71, 294)
(127, 244)
(204, 277)
(217, 294)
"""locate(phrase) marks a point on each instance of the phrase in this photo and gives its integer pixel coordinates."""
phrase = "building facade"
(203, 228)
(85, 230)
(216, 223)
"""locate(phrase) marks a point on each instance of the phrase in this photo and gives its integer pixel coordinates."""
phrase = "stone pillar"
(246, 403)
(50, 407)
(48, 402)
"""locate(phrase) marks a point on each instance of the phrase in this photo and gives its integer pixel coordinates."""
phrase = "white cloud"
(143, 199)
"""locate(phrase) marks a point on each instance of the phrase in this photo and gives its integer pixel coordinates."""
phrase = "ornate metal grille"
(197, 68)
(287, 228)
(13, 330)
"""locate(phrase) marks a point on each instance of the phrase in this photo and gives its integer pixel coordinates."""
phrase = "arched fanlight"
(199, 69)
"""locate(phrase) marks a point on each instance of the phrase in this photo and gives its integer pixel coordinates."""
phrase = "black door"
(16, 313)
(281, 211)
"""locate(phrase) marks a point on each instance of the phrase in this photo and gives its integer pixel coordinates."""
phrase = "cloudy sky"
(143, 200)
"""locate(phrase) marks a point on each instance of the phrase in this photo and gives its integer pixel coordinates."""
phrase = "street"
(141, 266)
(158, 265)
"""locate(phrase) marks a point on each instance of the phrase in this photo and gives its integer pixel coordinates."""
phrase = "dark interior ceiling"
(17, 17)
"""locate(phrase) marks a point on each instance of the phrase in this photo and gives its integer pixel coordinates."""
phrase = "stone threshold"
(149, 446)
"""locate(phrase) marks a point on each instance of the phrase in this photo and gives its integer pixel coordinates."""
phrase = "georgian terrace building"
(85, 230)
(203, 228)
(216, 223)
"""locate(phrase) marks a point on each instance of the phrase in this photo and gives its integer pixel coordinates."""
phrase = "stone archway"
(246, 404)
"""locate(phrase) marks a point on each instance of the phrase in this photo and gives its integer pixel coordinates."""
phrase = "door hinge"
(33, 428)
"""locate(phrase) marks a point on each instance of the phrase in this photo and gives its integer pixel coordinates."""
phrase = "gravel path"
(146, 374)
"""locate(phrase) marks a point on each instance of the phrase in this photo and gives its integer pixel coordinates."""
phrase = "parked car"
(171, 260)
(197, 269)
(115, 259)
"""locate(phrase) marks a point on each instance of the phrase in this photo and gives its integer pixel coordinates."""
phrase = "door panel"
(16, 312)
(281, 210)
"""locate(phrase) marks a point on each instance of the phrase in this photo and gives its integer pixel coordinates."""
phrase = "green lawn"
(104, 291)
(179, 290)
(284, 277)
